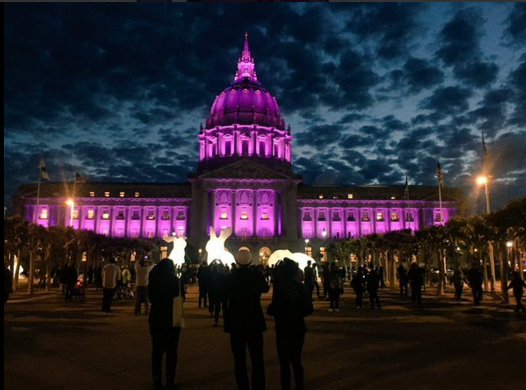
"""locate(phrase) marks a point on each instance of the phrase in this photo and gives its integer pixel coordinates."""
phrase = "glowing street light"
(324, 233)
(306, 245)
(483, 180)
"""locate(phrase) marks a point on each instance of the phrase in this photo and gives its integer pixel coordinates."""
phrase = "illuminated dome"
(245, 101)
(245, 122)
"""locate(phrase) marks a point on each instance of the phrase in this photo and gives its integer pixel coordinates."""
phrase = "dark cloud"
(392, 26)
(320, 136)
(419, 74)
(479, 74)
(517, 23)
(518, 83)
(448, 100)
(460, 38)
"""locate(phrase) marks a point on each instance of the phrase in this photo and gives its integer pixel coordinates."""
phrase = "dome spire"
(245, 65)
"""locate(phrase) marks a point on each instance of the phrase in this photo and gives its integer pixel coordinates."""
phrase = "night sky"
(371, 90)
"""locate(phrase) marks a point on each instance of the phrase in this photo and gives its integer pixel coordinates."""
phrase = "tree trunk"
(31, 279)
(504, 273)
(441, 272)
(16, 268)
(492, 265)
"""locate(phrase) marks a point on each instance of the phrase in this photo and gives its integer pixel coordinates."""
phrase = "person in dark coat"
(291, 303)
(203, 280)
(403, 280)
(517, 284)
(357, 284)
(8, 282)
(70, 280)
(416, 280)
(163, 287)
(244, 321)
(373, 282)
(475, 280)
(457, 280)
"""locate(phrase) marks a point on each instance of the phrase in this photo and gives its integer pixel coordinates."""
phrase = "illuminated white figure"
(298, 257)
(177, 254)
(215, 247)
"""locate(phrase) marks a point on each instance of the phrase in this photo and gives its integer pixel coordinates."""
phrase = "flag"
(406, 191)
(439, 175)
(80, 178)
(42, 167)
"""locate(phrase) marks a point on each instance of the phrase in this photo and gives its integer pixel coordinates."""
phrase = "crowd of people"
(235, 292)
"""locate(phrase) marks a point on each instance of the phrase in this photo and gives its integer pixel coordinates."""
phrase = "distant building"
(244, 181)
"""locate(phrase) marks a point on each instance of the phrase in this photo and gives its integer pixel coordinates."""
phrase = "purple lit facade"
(244, 181)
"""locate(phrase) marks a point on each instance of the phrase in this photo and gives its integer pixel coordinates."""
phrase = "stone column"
(255, 212)
(234, 213)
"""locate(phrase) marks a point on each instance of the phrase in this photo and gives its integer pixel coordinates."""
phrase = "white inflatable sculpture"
(215, 247)
(298, 257)
(177, 254)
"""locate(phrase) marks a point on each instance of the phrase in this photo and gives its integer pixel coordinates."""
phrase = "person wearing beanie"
(244, 320)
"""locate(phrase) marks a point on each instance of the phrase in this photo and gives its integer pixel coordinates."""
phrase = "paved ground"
(441, 345)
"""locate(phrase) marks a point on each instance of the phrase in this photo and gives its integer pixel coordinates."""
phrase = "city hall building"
(244, 181)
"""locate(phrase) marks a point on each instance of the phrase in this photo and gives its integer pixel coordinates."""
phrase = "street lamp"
(483, 180)
(324, 233)
(509, 245)
(306, 245)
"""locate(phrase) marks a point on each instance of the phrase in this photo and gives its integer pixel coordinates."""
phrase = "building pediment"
(244, 169)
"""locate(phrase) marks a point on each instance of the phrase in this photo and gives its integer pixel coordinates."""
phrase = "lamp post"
(483, 180)
(306, 245)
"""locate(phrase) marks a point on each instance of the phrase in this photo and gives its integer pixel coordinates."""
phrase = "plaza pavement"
(443, 345)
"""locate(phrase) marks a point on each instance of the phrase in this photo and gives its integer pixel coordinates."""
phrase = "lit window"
(365, 217)
(180, 215)
(244, 215)
(379, 216)
(393, 197)
(43, 214)
(107, 194)
(105, 215)
(151, 216)
(321, 196)
(166, 215)
(91, 214)
(334, 197)
(122, 194)
(224, 216)
(350, 196)
(394, 217)
(264, 216)
(92, 194)
(75, 214)
(137, 194)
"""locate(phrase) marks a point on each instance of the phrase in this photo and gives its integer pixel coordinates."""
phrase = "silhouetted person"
(308, 273)
(218, 290)
(111, 274)
(163, 287)
(245, 322)
(70, 280)
(203, 281)
(373, 284)
(8, 282)
(291, 303)
(517, 284)
(475, 280)
(403, 280)
(416, 280)
(335, 287)
(457, 280)
(357, 284)
(142, 272)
